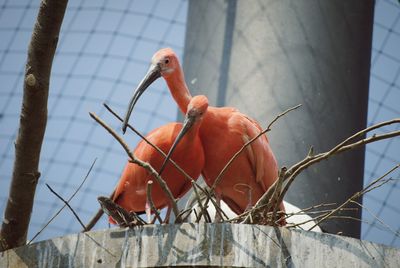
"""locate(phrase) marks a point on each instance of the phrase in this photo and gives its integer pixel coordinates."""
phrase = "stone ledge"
(188, 244)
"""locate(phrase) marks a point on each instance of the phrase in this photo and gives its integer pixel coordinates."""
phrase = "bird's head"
(165, 61)
(197, 107)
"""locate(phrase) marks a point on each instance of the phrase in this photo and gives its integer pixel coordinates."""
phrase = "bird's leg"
(248, 192)
(147, 209)
(250, 199)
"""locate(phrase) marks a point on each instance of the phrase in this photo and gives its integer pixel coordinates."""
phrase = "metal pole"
(265, 56)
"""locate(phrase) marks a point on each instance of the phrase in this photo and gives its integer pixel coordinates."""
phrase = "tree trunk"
(33, 121)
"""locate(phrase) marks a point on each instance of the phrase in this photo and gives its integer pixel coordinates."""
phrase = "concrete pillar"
(266, 56)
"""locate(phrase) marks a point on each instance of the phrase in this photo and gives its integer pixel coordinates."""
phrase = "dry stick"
(311, 159)
(260, 207)
(322, 156)
(150, 201)
(219, 177)
(188, 211)
(396, 233)
(69, 200)
(307, 210)
(67, 204)
(187, 176)
(96, 217)
(275, 196)
(301, 212)
(32, 124)
(307, 221)
(356, 195)
(325, 212)
(204, 211)
(165, 155)
(99, 213)
(218, 209)
(342, 144)
(141, 163)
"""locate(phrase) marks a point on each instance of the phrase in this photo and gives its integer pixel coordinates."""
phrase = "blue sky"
(103, 52)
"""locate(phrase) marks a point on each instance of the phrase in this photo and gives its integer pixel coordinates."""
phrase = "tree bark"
(33, 121)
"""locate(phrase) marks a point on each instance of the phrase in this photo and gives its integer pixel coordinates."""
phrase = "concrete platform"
(188, 244)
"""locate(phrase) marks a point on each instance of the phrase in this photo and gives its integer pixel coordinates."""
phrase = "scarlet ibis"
(185, 148)
(223, 132)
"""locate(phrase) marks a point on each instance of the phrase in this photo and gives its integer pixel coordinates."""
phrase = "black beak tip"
(124, 128)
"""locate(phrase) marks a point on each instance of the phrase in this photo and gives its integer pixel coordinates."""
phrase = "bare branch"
(150, 201)
(219, 177)
(69, 200)
(356, 195)
(203, 210)
(396, 233)
(187, 176)
(67, 204)
(139, 162)
(95, 218)
(33, 121)
(311, 159)
(99, 213)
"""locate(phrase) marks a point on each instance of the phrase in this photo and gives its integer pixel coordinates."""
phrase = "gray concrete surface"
(266, 56)
(228, 245)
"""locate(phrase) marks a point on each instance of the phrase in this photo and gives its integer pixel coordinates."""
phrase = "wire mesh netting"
(382, 205)
(103, 52)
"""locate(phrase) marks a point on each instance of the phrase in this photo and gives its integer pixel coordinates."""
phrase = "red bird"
(223, 132)
(182, 142)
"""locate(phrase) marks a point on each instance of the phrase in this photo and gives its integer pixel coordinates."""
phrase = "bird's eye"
(166, 61)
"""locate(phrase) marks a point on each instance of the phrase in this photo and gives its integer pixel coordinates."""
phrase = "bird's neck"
(179, 90)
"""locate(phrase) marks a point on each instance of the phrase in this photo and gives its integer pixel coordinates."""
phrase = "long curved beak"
(152, 74)
(187, 124)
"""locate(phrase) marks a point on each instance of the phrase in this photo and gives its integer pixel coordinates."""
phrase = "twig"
(100, 212)
(139, 162)
(187, 176)
(396, 233)
(275, 196)
(341, 147)
(69, 200)
(204, 211)
(150, 201)
(311, 159)
(301, 212)
(356, 195)
(97, 216)
(306, 221)
(67, 204)
(219, 177)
